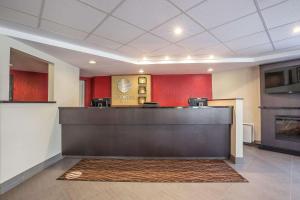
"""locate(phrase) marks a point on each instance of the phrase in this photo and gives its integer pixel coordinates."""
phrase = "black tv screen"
(274, 79)
(283, 80)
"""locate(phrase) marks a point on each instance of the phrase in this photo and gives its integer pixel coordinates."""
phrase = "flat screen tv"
(283, 80)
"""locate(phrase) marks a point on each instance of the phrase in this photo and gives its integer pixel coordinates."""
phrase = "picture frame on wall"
(142, 90)
(141, 100)
(142, 80)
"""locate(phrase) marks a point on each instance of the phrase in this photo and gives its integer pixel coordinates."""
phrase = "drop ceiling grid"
(181, 11)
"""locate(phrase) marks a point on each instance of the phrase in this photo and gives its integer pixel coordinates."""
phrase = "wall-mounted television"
(283, 80)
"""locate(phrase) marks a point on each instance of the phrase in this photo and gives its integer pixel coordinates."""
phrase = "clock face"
(124, 85)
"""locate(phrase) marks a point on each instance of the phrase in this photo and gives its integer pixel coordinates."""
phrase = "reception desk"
(146, 132)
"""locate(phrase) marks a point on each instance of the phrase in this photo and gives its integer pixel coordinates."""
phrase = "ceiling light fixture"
(296, 29)
(167, 58)
(210, 70)
(92, 62)
(178, 30)
(141, 71)
(145, 58)
(189, 57)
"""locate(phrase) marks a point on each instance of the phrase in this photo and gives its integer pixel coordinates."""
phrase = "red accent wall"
(88, 90)
(101, 86)
(174, 90)
(30, 86)
(96, 87)
(167, 90)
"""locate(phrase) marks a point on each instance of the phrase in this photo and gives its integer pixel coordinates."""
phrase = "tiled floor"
(272, 176)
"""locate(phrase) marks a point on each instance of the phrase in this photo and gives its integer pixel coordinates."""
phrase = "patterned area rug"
(118, 170)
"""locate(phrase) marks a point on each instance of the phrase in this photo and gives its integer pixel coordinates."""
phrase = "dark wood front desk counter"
(146, 132)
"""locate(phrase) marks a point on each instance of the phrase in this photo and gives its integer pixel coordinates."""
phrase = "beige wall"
(30, 133)
(242, 83)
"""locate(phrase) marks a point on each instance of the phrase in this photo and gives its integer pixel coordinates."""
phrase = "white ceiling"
(138, 28)
(105, 66)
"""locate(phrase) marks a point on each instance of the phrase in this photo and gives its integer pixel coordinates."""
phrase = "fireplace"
(287, 128)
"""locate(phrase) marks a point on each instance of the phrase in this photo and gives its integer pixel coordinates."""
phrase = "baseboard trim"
(141, 157)
(236, 160)
(20, 178)
(279, 150)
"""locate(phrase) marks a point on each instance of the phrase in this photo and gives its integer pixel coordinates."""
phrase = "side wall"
(30, 133)
(243, 83)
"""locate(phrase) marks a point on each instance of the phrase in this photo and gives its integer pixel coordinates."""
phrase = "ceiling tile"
(148, 43)
(255, 50)
(78, 15)
(105, 5)
(62, 30)
(287, 43)
(186, 4)
(32, 7)
(188, 26)
(218, 51)
(249, 41)
(267, 3)
(215, 12)
(202, 40)
(293, 48)
(172, 50)
(284, 32)
(130, 52)
(146, 14)
(242, 27)
(18, 17)
(102, 42)
(282, 14)
(111, 29)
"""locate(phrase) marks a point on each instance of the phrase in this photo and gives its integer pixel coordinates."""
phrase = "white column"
(4, 69)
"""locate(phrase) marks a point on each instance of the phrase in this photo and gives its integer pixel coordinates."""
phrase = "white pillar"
(4, 69)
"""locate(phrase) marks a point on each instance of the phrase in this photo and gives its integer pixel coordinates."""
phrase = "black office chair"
(101, 102)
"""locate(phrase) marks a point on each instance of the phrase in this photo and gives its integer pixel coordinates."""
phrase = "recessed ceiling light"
(296, 29)
(167, 58)
(92, 62)
(141, 71)
(210, 70)
(178, 30)
(211, 57)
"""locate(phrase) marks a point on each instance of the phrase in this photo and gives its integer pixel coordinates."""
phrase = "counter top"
(140, 107)
(27, 101)
(162, 115)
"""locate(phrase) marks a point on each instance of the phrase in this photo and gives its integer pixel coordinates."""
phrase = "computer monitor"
(101, 102)
(197, 101)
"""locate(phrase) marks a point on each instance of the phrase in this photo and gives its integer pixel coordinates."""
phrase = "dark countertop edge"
(177, 107)
(27, 101)
(274, 108)
(226, 99)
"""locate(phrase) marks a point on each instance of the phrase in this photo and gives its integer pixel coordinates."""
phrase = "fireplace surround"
(280, 115)
(287, 128)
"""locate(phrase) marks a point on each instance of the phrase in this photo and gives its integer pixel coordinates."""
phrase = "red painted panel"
(174, 90)
(88, 90)
(168, 90)
(30, 86)
(101, 86)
